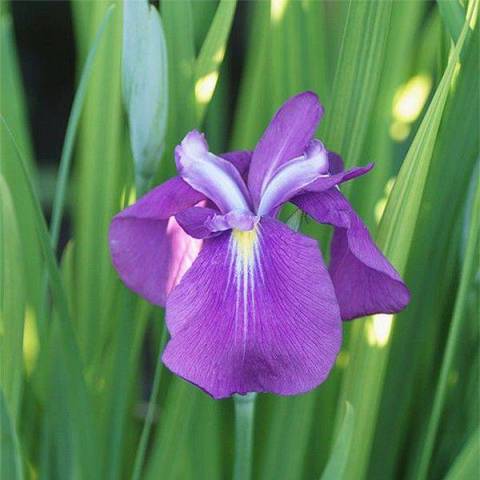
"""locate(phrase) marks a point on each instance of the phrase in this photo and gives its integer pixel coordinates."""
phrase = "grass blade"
(453, 15)
(369, 356)
(466, 464)
(63, 333)
(11, 463)
(339, 454)
(71, 133)
(357, 78)
(470, 268)
(207, 65)
(12, 305)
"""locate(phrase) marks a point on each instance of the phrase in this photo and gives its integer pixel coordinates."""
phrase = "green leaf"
(469, 271)
(71, 133)
(357, 78)
(145, 85)
(12, 303)
(211, 55)
(169, 455)
(466, 465)
(453, 15)
(73, 380)
(339, 455)
(363, 380)
(102, 163)
(432, 270)
(11, 463)
(13, 109)
(177, 17)
(255, 99)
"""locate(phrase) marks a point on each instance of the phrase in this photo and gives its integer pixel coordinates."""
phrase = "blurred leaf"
(432, 270)
(207, 65)
(12, 304)
(13, 109)
(369, 359)
(145, 87)
(73, 381)
(255, 98)
(177, 17)
(11, 463)
(453, 15)
(466, 465)
(469, 271)
(71, 133)
(338, 456)
(101, 171)
(169, 456)
(357, 78)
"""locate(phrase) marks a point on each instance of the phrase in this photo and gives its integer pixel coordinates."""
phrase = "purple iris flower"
(250, 304)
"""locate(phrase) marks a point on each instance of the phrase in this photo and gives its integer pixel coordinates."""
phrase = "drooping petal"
(150, 251)
(287, 136)
(293, 177)
(218, 179)
(365, 282)
(256, 312)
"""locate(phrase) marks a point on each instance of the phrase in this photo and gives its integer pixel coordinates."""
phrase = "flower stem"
(147, 426)
(244, 416)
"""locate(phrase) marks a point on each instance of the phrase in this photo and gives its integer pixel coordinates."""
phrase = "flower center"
(245, 243)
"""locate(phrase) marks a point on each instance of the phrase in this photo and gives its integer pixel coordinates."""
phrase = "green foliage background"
(400, 84)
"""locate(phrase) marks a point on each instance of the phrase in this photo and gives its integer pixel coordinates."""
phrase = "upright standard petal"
(256, 312)
(218, 179)
(287, 136)
(293, 177)
(240, 159)
(149, 250)
(365, 282)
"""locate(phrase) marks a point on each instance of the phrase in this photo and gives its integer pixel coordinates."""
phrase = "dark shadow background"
(46, 50)
(45, 41)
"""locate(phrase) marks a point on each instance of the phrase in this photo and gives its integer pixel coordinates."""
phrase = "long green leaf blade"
(369, 352)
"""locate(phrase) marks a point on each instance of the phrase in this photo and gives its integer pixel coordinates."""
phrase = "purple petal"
(365, 282)
(218, 179)
(149, 251)
(335, 163)
(194, 221)
(293, 177)
(240, 159)
(287, 136)
(256, 312)
(327, 182)
(200, 222)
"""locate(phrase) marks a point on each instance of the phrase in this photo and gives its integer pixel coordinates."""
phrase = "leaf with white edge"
(145, 85)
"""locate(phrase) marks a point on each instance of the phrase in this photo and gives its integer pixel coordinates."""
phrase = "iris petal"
(150, 251)
(287, 136)
(294, 176)
(256, 312)
(201, 222)
(214, 176)
(365, 282)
